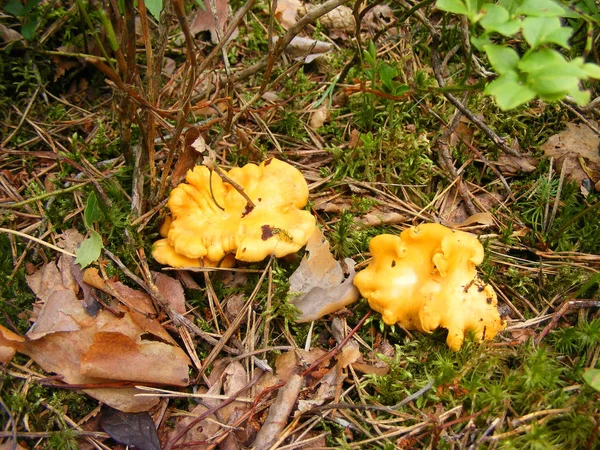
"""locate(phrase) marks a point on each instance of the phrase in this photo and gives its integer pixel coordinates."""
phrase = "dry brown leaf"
(320, 281)
(234, 305)
(380, 216)
(479, 218)
(511, 165)
(377, 18)
(204, 20)
(319, 116)
(9, 343)
(189, 155)
(293, 362)
(65, 63)
(88, 350)
(279, 413)
(286, 12)
(306, 49)
(9, 35)
(576, 147)
(118, 357)
(522, 335)
(133, 299)
(172, 291)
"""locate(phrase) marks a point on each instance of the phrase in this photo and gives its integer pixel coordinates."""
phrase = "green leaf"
(592, 377)
(92, 211)
(540, 8)
(28, 28)
(553, 86)
(155, 7)
(387, 74)
(89, 250)
(503, 59)
(545, 30)
(453, 6)
(581, 97)
(493, 15)
(497, 19)
(481, 41)
(534, 61)
(592, 70)
(15, 8)
(508, 91)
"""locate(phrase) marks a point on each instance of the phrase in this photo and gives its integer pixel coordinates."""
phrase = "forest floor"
(99, 124)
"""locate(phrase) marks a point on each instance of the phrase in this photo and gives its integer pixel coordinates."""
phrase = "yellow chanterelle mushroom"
(211, 219)
(426, 278)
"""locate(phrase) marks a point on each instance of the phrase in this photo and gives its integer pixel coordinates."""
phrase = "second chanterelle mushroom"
(426, 278)
(211, 219)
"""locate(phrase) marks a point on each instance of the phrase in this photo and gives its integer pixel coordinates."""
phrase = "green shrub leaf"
(508, 91)
(92, 211)
(155, 7)
(540, 8)
(453, 6)
(592, 377)
(89, 250)
(503, 59)
(545, 30)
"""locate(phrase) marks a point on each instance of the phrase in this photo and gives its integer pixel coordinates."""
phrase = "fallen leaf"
(485, 218)
(306, 49)
(133, 299)
(88, 350)
(234, 305)
(511, 165)
(576, 147)
(319, 116)
(339, 21)
(377, 18)
(522, 335)
(172, 290)
(320, 282)
(278, 413)
(204, 20)
(9, 343)
(380, 216)
(286, 12)
(189, 155)
(9, 35)
(65, 63)
(135, 429)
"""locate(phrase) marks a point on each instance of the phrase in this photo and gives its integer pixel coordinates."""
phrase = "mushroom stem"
(250, 204)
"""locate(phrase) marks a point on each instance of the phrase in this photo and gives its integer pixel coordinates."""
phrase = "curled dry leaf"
(279, 413)
(205, 21)
(172, 291)
(379, 216)
(339, 21)
(187, 158)
(377, 18)
(286, 12)
(135, 300)
(226, 379)
(320, 281)
(576, 148)
(319, 116)
(511, 165)
(306, 49)
(88, 350)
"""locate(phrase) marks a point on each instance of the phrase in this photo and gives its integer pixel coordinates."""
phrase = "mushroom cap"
(211, 219)
(427, 278)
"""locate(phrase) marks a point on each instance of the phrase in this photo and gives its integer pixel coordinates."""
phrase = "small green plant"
(28, 15)
(541, 71)
(89, 250)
